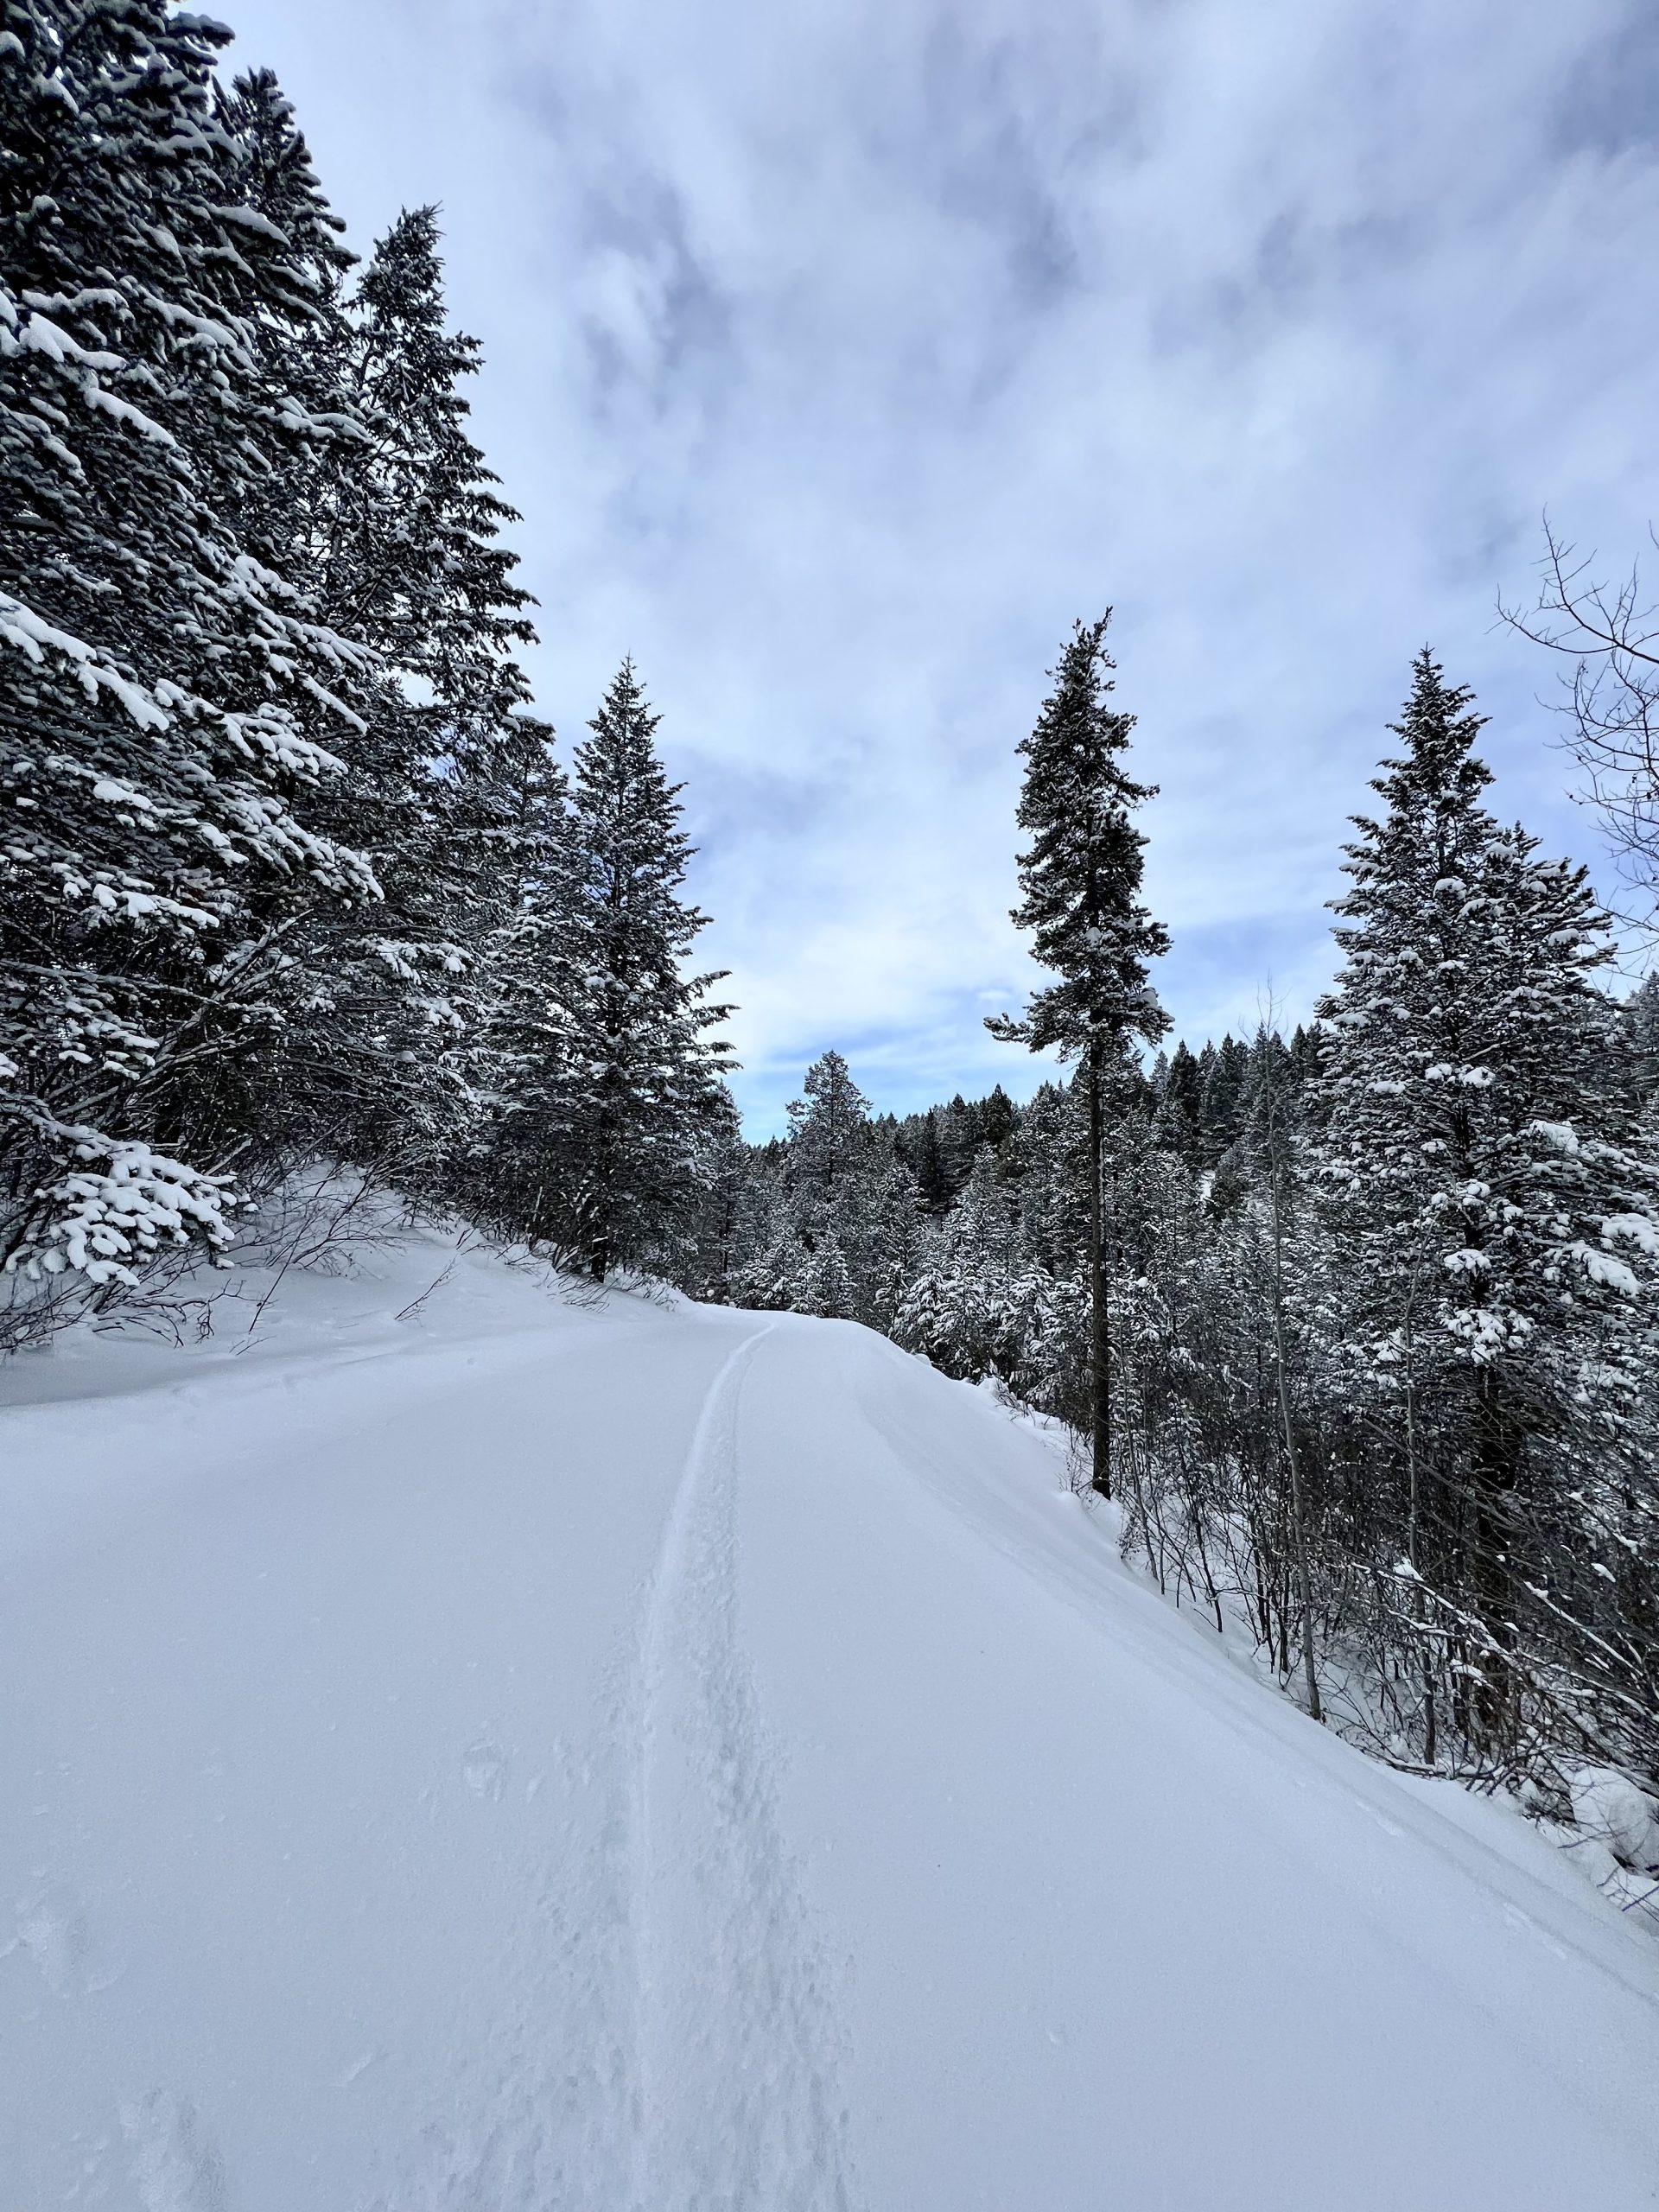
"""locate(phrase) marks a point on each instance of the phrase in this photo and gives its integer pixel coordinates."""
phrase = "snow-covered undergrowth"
(1604, 1819)
(469, 1747)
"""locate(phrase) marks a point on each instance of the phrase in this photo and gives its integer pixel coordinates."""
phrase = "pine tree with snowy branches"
(520, 1053)
(1222, 1070)
(1080, 878)
(1181, 1106)
(645, 1081)
(890, 1240)
(829, 1130)
(826, 1287)
(1489, 1201)
(403, 531)
(172, 701)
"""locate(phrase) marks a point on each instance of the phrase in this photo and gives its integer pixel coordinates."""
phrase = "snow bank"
(1608, 1806)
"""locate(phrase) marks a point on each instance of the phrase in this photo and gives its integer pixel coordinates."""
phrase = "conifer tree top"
(1439, 778)
(829, 1126)
(1081, 874)
(629, 814)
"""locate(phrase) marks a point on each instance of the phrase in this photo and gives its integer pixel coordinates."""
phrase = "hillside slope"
(520, 1757)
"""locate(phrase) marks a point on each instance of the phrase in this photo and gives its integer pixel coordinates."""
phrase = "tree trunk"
(1298, 1524)
(1277, 1169)
(1495, 1472)
(1100, 1360)
(1414, 1529)
(602, 1211)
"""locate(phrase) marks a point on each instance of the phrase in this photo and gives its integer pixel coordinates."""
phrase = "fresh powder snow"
(467, 1751)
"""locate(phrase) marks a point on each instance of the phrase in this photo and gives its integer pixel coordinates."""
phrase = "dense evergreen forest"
(1356, 1325)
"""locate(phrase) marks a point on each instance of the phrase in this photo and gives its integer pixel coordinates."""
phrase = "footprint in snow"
(485, 1770)
(175, 2168)
(52, 1929)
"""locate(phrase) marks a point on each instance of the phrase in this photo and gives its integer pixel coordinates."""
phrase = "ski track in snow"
(674, 2046)
(738, 2048)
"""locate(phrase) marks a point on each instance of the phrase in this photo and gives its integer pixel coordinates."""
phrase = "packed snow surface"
(516, 1757)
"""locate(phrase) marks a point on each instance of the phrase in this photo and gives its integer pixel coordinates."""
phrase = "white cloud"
(841, 354)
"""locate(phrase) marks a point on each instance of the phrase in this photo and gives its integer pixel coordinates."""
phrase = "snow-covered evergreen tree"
(1080, 878)
(925, 1155)
(774, 1277)
(826, 1284)
(830, 1135)
(1641, 1013)
(981, 1303)
(1492, 1207)
(520, 1050)
(290, 867)
(1180, 1105)
(642, 1078)
(962, 1308)
(402, 528)
(848, 1189)
(171, 701)
(1222, 1072)
(721, 1235)
(890, 1242)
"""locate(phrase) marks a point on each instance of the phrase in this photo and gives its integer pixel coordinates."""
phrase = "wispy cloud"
(841, 354)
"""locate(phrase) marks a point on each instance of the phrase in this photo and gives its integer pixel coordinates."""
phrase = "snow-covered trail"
(636, 1761)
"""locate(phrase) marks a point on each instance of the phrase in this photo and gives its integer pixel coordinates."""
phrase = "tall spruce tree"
(1221, 1097)
(830, 1135)
(172, 701)
(644, 1078)
(890, 1241)
(1180, 1108)
(1081, 880)
(920, 1145)
(1490, 1205)
(404, 533)
(1641, 1016)
(522, 1049)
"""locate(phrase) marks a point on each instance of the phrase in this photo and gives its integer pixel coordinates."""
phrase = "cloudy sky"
(841, 352)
